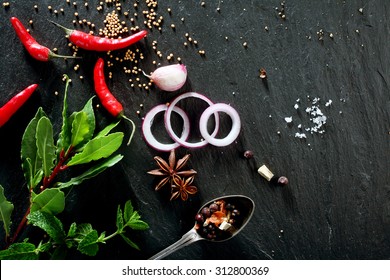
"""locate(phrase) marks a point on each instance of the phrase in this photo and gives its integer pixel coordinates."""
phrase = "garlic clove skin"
(170, 78)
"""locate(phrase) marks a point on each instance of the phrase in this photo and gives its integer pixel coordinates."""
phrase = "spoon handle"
(188, 238)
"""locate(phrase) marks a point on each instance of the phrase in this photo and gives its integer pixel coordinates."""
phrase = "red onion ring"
(234, 132)
(168, 125)
(148, 122)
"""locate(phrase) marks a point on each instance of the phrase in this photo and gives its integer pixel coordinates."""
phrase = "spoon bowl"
(246, 207)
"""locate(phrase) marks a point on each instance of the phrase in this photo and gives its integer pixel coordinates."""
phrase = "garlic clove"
(170, 78)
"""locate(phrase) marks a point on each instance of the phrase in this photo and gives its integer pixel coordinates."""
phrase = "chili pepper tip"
(67, 30)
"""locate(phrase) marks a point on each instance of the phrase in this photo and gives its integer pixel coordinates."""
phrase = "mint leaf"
(98, 148)
(72, 230)
(83, 229)
(6, 209)
(119, 219)
(45, 144)
(88, 245)
(137, 225)
(92, 172)
(49, 223)
(31, 161)
(133, 218)
(51, 201)
(20, 251)
(128, 211)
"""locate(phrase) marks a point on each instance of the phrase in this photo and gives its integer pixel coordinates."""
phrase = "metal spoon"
(243, 203)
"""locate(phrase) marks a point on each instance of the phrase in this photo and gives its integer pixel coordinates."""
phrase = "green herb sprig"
(42, 160)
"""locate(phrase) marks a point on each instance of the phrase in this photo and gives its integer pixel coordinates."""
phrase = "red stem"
(21, 225)
(58, 168)
(46, 182)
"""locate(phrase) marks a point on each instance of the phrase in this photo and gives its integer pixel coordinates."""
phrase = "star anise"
(171, 169)
(182, 187)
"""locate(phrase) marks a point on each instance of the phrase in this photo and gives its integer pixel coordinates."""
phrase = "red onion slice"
(168, 124)
(234, 132)
(148, 122)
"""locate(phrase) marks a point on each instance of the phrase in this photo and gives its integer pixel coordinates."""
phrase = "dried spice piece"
(173, 174)
(265, 172)
(183, 188)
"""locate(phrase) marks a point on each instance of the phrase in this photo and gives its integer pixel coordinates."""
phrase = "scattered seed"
(263, 73)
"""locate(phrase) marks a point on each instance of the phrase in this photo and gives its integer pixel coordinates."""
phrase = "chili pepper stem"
(54, 55)
(133, 129)
(67, 30)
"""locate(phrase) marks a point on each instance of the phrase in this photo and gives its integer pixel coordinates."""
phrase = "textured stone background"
(337, 205)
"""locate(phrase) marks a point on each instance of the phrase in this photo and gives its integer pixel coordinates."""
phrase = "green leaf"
(80, 128)
(128, 241)
(31, 161)
(92, 172)
(72, 230)
(137, 225)
(98, 148)
(51, 201)
(128, 211)
(49, 223)
(83, 230)
(63, 142)
(107, 129)
(119, 219)
(88, 109)
(20, 251)
(6, 209)
(44, 247)
(88, 245)
(45, 144)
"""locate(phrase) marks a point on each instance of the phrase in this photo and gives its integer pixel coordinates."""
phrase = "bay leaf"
(98, 148)
(31, 161)
(51, 201)
(45, 144)
(6, 209)
(80, 128)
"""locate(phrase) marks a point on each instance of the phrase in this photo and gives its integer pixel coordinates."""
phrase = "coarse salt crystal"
(296, 106)
(300, 135)
(327, 104)
(288, 119)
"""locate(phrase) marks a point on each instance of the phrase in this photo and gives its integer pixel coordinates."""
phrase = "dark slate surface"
(337, 205)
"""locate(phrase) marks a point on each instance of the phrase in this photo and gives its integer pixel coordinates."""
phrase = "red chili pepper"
(101, 44)
(112, 105)
(108, 100)
(36, 50)
(15, 103)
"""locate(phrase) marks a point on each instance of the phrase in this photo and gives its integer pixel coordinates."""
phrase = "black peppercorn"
(282, 180)
(248, 154)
